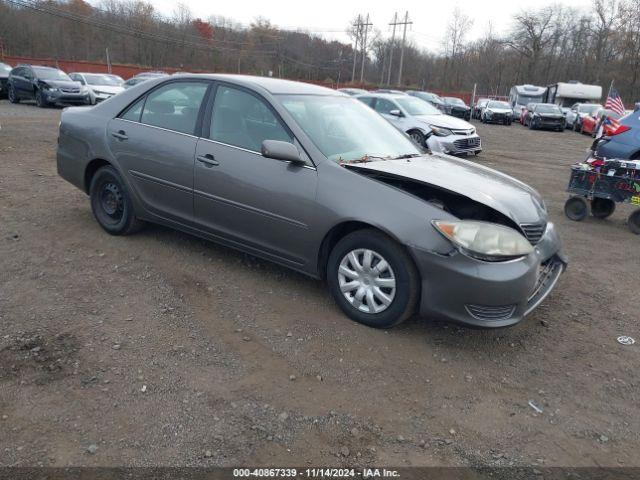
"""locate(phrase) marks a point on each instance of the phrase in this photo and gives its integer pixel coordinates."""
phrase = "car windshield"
(525, 99)
(498, 105)
(588, 108)
(345, 129)
(456, 101)
(96, 79)
(415, 106)
(4, 67)
(51, 74)
(547, 109)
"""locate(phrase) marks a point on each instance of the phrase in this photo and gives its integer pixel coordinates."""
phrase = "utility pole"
(404, 38)
(108, 60)
(393, 40)
(366, 26)
(355, 49)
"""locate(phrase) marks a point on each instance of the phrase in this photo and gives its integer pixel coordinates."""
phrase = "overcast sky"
(331, 17)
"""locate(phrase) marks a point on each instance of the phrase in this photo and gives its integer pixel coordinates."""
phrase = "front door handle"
(120, 135)
(207, 160)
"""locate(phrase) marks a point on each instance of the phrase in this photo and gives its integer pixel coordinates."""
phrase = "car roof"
(274, 86)
(391, 96)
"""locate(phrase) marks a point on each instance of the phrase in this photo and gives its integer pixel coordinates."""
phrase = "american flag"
(614, 102)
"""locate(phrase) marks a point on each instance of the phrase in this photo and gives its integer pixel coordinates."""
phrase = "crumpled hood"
(61, 83)
(446, 121)
(550, 115)
(499, 110)
(509, 196)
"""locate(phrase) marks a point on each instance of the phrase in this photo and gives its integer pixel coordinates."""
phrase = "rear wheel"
(372, 279)
(633, 222)
(111, 204)
(602, 207)
(13, 96)
(576, 209)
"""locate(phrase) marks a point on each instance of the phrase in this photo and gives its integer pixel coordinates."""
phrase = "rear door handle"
(207, 160)
(120, 135)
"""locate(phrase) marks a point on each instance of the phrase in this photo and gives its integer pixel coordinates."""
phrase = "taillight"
(620, 129)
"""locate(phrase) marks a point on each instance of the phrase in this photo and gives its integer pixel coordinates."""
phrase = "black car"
(4, 76)
(545, 116)
(456, 108)
(46, 85)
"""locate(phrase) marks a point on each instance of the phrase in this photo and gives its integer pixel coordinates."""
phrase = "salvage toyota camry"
(313, 179)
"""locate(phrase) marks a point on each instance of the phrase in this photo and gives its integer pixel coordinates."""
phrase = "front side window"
(243, 120)
(174, 106)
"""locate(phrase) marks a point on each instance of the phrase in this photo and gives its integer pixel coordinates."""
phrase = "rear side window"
(368, 101)
(174, 106)
(134, 111)
(243, 120)
(384, 106)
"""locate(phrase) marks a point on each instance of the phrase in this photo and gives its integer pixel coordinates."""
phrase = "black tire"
(532, 125)
(417, 137)
(407, 290)
(111, 203)
(576, 208)
(602, 207)
(13, 97)
(40, 101)
(633, 222)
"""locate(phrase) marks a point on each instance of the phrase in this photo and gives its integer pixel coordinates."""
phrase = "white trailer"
(521, 95)
(566, 94)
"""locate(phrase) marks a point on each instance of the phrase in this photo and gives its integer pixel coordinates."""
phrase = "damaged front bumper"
(488, 294)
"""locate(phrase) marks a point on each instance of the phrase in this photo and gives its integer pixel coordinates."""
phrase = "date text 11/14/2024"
(315, 473)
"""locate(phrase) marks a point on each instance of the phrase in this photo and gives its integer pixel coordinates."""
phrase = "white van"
(566, 94)
(521, 95)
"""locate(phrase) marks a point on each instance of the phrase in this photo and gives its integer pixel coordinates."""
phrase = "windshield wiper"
(364, 159)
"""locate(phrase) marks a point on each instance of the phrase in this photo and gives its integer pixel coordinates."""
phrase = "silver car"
(418, 118)
(314, 180)
(101, 86)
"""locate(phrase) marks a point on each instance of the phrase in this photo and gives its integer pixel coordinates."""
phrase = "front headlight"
(486, 241)
(49, 88)
(440, 131)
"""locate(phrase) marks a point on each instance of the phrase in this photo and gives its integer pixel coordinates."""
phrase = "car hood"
(61, 83)
(503, 193)
(550, 115)
(107, 88)
(460, 107)
(446, 121)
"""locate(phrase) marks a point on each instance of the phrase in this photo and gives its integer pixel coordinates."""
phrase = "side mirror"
(395, 113)
(279, 150)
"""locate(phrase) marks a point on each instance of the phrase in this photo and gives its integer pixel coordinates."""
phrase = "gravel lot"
(162, 349)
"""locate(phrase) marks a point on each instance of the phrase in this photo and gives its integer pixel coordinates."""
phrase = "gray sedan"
(315, 180)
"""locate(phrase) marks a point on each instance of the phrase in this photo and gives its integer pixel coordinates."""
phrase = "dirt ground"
(162, 349)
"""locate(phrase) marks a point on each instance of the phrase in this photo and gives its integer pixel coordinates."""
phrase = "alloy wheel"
(367, 280)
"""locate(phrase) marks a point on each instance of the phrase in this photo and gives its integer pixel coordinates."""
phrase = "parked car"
(5, 69)
(100, 86)
(143, 77)
(476, 112)
(577, 112)
(419, 119)
(432, 98)
(545, 116)
(316, 181)
(457, 108)
(624, 141)
(47, 86)
(591, 123)
(497, 112)
(352, 91)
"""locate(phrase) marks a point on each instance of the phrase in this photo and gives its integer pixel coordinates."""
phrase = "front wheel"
(602, 207)
(372, 279)
(40, 100)
(576, 208)
(111, 204)
(417, 137)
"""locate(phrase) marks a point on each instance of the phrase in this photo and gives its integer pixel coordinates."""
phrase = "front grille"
(533, 231)
(465, 132)
(467, 143)
(70, 90)
(489, 313)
